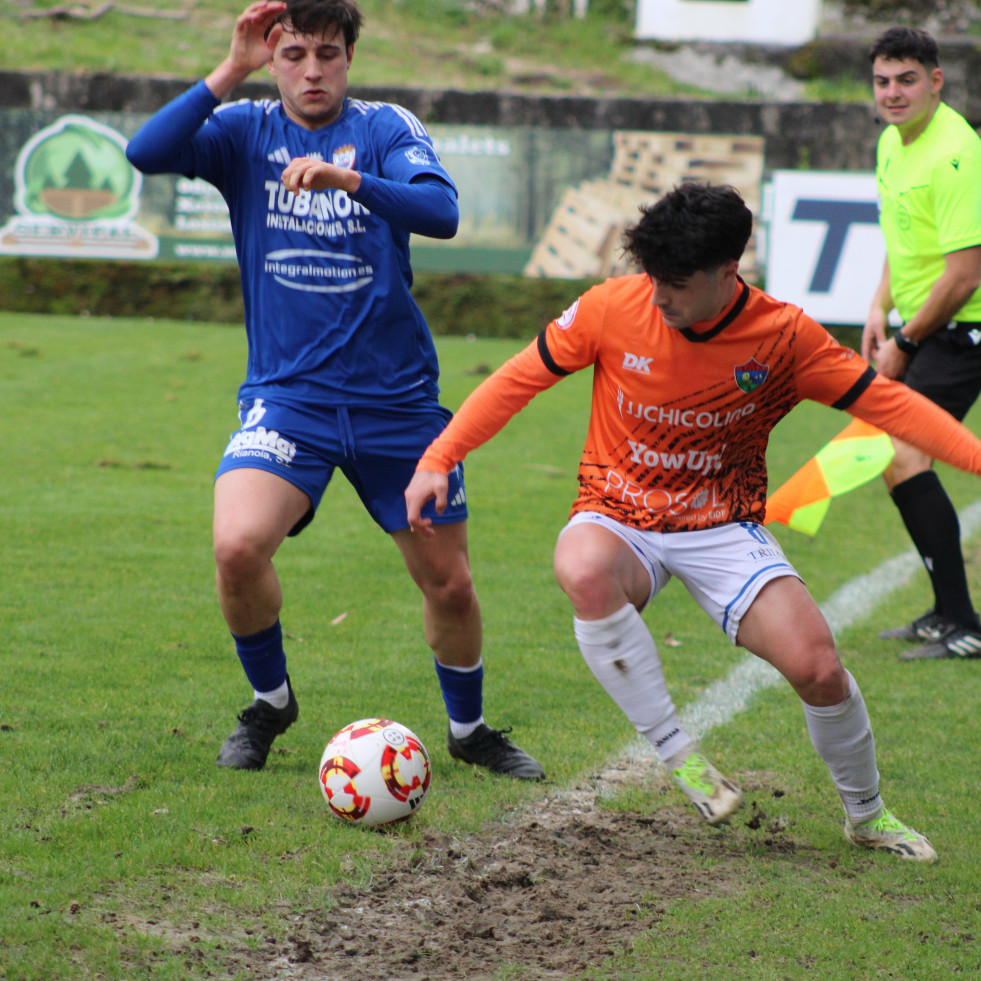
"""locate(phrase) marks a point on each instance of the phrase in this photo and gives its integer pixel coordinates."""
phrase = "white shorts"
(723, 568)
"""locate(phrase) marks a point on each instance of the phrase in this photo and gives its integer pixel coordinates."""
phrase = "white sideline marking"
(849, 604)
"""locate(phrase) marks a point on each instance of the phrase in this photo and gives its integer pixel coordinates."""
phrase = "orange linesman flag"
(856, 455)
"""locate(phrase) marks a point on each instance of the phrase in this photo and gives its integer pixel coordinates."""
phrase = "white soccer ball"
(374, 772)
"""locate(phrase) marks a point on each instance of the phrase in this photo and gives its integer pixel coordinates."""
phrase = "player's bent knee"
(454, 597)
(592, 599)
(447, 585)
(822, 682)
(238, 558)
(573, 576)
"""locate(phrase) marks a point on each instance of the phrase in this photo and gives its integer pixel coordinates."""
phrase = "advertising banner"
(540, 201)
(824, 250)
(75, 195)
(67, 190)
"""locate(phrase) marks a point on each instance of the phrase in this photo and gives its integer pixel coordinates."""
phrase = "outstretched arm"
(425, 486)
(484, 413)
(916, 420)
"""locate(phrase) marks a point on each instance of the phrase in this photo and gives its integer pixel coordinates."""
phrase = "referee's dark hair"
(906, 43)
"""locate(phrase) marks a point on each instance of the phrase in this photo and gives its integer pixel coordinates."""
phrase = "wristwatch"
(905, 344)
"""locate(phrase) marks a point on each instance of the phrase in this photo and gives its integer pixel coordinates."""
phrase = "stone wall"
(822, 136)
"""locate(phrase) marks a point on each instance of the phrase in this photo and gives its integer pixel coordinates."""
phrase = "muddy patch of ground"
(541, 897)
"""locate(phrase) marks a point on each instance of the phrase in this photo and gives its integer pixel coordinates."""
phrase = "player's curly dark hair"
(906, 43)
(315, 18)
(695, 227)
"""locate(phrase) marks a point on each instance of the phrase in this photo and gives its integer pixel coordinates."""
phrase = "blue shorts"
(376, 448)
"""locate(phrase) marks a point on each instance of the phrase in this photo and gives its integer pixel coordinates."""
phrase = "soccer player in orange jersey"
(692, 368)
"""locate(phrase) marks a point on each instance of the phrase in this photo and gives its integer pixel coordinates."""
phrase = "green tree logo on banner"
(78, 172)
(76, 195)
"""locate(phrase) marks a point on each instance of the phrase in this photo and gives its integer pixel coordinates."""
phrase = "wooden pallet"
(584, 236)
(656, 162)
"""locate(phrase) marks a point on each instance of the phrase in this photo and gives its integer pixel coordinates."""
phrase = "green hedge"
(486, 306)
(493, 306)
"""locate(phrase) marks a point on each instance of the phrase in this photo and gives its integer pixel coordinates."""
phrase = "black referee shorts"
(947, 367)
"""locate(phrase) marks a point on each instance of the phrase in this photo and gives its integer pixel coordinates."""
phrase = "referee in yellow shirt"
(928, 171)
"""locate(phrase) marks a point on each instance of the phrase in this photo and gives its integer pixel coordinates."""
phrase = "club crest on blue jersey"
(417, 155)
(344, 156)
(751, 375)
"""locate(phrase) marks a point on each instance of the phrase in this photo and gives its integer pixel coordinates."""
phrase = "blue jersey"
(328, 311)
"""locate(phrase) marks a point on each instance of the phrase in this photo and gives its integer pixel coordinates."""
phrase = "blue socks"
(463, 695)
(263, 659)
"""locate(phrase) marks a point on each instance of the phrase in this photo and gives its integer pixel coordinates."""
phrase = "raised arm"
(250, 48)
(162, 143)
(484, 413)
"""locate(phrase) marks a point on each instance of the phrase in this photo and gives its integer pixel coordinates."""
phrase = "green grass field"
(118, 683)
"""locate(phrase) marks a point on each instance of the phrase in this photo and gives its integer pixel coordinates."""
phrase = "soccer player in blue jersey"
(323, 192)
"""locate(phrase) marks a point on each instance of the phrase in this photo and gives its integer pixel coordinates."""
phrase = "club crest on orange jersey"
(344, 156)
(751, 375)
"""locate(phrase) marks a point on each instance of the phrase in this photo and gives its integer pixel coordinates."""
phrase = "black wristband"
(905, 344)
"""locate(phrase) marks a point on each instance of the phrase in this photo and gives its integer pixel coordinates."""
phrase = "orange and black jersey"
(681, 417)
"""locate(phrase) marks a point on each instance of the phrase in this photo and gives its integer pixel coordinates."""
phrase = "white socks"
(278, 698)
(461, 730)
(842, 736)
(622, 655)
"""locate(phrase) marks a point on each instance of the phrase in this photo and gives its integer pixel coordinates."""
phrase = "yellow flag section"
(856, 455)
